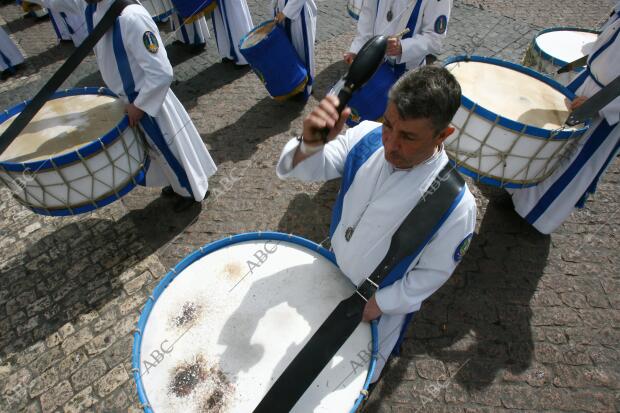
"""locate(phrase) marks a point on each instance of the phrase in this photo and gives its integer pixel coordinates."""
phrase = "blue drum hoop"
(554, 60)
(163, 16)
(210, 6)
(212, 247)
(85, 151)
(513, 125)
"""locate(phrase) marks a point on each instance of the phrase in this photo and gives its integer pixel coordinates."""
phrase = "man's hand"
(348, 57)
(280, 17)
(134, 114)
(578, 101)
(325, 115)
(394, 48)
(371, 310)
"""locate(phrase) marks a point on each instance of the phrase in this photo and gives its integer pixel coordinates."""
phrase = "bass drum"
(223, 325)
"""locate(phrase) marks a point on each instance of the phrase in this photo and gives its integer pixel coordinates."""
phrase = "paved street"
(527, 322)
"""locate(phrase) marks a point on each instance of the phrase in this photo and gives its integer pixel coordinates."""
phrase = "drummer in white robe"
(547, 205)
(385, 188)
(231, 21)
(193, 34)
(10, 56)
(427, 21)
(134, 65)
(298, 18)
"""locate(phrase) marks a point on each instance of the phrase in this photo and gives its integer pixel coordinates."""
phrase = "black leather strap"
(410, 238)
(576, 63)
(62, 73)
(595, 103)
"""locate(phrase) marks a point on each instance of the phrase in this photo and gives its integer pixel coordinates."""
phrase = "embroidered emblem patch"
(441, 24)
(150, 41)
(462, 248)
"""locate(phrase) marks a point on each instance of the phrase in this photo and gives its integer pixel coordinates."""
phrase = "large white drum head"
(63, 125)
(565, 44)
(257, 35)
(511, 94)
(228, 325)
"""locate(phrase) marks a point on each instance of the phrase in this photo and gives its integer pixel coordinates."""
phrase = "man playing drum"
(135, 66)
(390, 181)
(427, 21)
(547, 205)
(298, 17)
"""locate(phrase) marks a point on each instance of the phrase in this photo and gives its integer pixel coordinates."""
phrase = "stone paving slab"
(527, 322)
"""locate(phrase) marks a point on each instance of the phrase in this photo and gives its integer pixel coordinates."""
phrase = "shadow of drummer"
(478, 324)
(76, 270)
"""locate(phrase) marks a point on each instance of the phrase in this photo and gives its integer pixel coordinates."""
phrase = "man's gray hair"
(427, 92)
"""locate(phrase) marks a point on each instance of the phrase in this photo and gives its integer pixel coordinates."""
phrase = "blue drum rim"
(554, 60)
(478, 177)
(263, 24)
(137, 179)
(513, 125)
(162, 16)
(83, 151)
(198, 254)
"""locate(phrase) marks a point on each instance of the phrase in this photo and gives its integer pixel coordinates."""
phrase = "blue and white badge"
(150, 41)
(462, 248)
(441, 24)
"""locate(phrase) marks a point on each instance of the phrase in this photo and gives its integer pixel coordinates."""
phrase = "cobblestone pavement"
(527, 322)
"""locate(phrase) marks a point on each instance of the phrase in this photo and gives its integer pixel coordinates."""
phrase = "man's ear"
(444, 134)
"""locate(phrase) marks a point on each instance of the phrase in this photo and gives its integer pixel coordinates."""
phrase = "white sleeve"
(435, 265)
(156, 66)
(327, 163)
(67, 6)
(292, 10)
(365, 25)
(429, 40)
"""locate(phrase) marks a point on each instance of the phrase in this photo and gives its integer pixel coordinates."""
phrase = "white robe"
(428, 34)
(10, 56)
(301, 15)
(59, 25)
(547, 205)
(71, 26)
(194, 33)
(376, 203)
(152, 74)
(231, 21)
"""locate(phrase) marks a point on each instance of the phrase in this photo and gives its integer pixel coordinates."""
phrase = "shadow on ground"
(76, 270)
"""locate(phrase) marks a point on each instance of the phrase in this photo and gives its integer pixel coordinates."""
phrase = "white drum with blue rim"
(159, 10)
(77, 154)
(555, 47)
(510, 126)
(227, 320)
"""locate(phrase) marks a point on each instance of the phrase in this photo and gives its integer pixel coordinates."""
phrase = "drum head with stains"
(228, 325)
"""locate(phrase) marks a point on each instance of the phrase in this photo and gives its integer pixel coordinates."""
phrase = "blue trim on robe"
(592, 188)
(64, 17)
(90, 11)
(578, 81)
(226, 25)
(55, 26)
(411, 25)
(594, 142)
(147, 122)
(7, 62)
(359, 154)
(183, 30)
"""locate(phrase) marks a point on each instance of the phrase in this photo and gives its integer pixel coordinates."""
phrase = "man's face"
(408, 142)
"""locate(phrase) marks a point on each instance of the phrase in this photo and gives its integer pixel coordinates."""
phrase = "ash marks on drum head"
(233, 271)
(188, 315)
(208, 388)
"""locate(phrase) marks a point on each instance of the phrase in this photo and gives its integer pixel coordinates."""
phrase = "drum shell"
(276, 63)
(212, 341)
(547, 64)
(90, 177)
(370, 101)
(159, 10)
(513, 155)
(191, 10)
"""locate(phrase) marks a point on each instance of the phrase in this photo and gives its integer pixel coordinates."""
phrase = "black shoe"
(184, 203)
(227, 60)
(167, 192)
(197, 48)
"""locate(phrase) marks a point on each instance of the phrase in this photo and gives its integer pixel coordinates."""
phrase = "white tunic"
(376, 203)
(59, 25)
(431, 21)
(231, 21)
(300, 27)
(547, 205)
(152, 74)
(10, 56)
(194, 33)
(71, 26)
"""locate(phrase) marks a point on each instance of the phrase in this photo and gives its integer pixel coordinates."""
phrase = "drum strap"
(61, 74)
(595, 103)
(416, 231)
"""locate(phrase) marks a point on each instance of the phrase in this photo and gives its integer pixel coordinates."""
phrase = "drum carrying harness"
(62, 73)
(415, 232)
